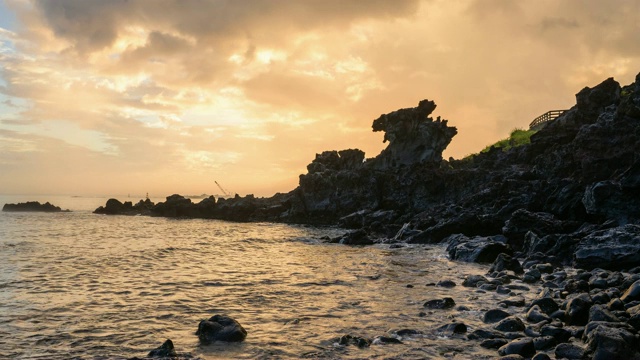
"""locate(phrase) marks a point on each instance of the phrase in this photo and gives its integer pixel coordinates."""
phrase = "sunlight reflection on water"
(78, 284)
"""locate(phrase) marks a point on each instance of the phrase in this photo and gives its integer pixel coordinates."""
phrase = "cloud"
(176, 92)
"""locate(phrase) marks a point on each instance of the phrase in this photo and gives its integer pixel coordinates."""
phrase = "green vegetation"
(517, 138)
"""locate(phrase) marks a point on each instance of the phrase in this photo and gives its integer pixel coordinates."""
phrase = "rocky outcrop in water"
(33, 206)
(220, 328)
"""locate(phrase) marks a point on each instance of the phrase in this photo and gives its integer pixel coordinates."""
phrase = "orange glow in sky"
(129, 97)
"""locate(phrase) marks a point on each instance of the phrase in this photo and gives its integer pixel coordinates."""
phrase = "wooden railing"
(538, 122)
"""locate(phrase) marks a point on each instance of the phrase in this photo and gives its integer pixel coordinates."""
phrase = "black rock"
(446, 283)
(386, 340)
(474, 280)
(510, 324)
(547, 305)
(569, 351)
(535, 315)
(477, 249)
(32, 206)
(453, 328)
(354, 340)
(220, 328)
(523, 347)
(615, 249)
(506, 262)
(445, 303)
(493, 343)
(485, 334)
(610, 343)
(601, 313)
(559, 334)
(577, 312)
(494, 315)
(358, 237)
(544, 342)
(632, 293)
(165, 350)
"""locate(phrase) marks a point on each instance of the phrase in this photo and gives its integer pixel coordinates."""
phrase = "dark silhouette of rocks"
(34, 206)
(572, 195)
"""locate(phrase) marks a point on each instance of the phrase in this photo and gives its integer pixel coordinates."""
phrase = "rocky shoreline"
(569, 198)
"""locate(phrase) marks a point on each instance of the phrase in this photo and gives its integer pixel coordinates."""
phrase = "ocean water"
(79, 285)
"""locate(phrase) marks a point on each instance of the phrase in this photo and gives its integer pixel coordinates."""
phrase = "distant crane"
(225, 192)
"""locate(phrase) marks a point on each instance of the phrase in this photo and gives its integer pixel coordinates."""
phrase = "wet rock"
(634, 316)
(494, 315)
(535, 315)
(445, 303)
(453, 328)
(569, 351)
(632, 293)
(477, 249)
(163, 351)
(506, 262)
(546, 304)
(614, 249)
(516, 301)
(480, 334)
(474, 280)
(609, 343)
(615, 304)
(531, 276)
(493, 343)
(577, 312)
(358, 341)
(446, 283)
(510, 324)
(384, 340)
(358, 237)
(220, 328)
(407, 332)
(522, 347)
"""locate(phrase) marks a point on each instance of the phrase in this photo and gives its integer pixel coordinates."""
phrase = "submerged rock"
(220, 328)
(164, 350)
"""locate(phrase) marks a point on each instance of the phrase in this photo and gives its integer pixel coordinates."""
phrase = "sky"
(167, 96)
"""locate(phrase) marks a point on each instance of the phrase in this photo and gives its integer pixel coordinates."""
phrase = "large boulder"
(477, 249)
(220, 328)
(614, 249)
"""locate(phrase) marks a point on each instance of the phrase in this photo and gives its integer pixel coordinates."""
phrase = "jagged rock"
(413, 136)
(163, 351)
(220, 328)
(358, 237)
(577, 311)
(354, 340)
(540, 223)
(445, 303)
(614, 249)
(611, 343)
(477, 249)
(569, 351)
(34, 206)
(506, 262)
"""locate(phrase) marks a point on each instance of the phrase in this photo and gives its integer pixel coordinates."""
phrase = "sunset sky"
(114, 97)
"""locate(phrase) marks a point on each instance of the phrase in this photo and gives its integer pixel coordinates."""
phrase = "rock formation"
(34, 206)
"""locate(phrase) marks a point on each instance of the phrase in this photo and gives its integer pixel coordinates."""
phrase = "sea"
(76, 285)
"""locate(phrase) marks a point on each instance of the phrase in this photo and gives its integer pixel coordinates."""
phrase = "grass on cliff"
(517, 138)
